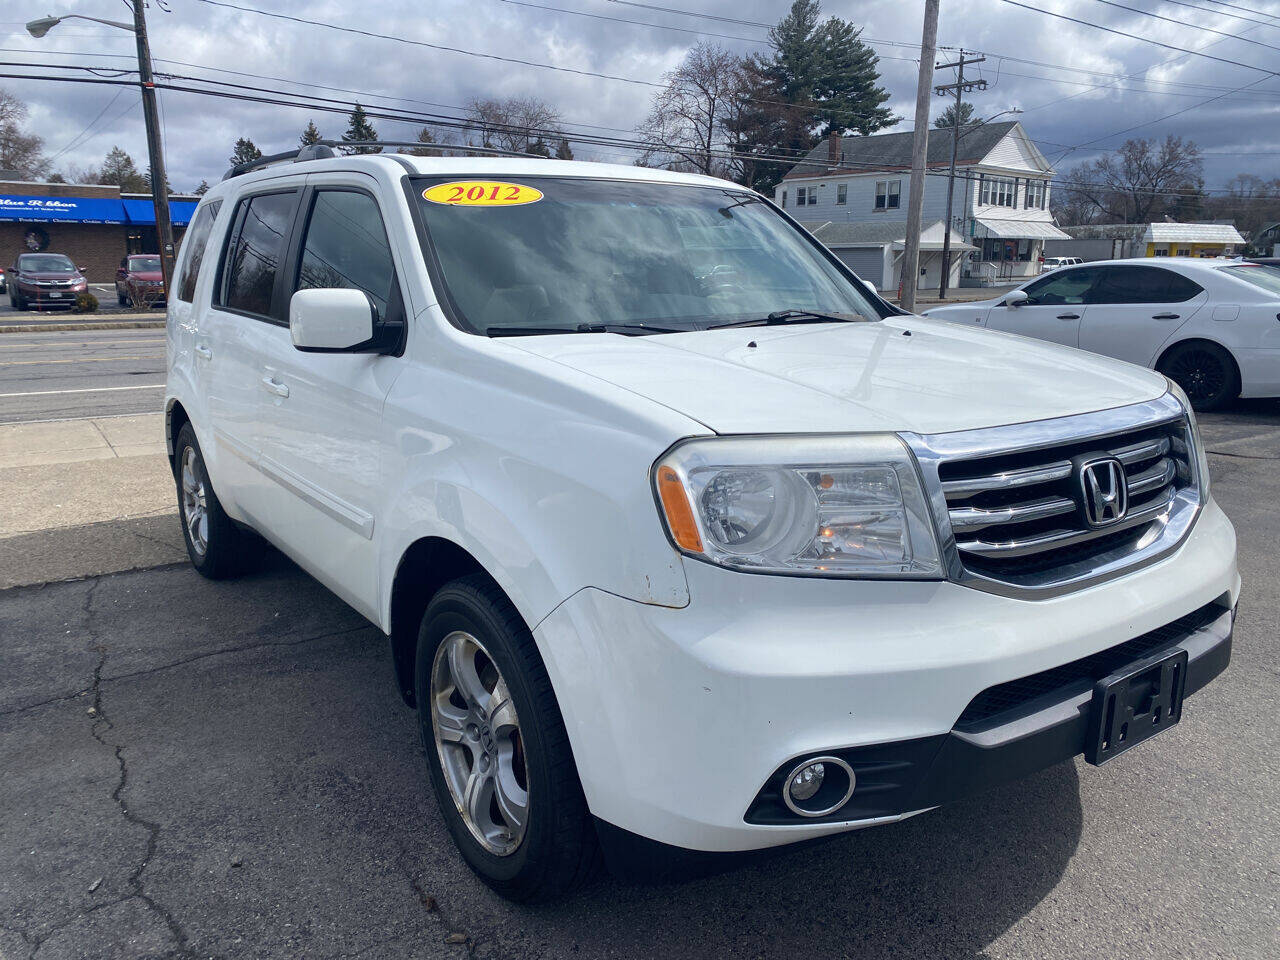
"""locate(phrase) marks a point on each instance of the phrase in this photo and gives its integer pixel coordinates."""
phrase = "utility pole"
(159, 181)
(919, 155)
(959, 87)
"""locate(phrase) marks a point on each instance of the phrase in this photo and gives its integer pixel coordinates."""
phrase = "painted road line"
(52, 393)
(22, 363)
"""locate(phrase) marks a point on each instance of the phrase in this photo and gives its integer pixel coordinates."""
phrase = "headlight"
(818, 506)
(1201, 459)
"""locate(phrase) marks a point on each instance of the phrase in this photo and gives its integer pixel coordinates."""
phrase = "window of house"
(802, 196)
(998, 192)
(346, 247)
(1162, 251)
(784, 199)
(888, 194)
(1035, 195)
(197, 238)
(842, 193)
(253, 256)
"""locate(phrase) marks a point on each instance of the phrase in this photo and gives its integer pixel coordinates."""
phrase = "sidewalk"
(85, 497)
(12, 321)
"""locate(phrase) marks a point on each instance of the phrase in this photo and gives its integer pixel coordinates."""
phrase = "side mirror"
(331, 320)
(1016, 298)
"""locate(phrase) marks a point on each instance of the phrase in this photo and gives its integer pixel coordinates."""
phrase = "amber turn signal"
(679, 514)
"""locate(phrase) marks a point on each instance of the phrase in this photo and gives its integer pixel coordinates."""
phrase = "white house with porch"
(851, 192)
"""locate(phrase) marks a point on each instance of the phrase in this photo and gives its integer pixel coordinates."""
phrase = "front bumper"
(680, 718)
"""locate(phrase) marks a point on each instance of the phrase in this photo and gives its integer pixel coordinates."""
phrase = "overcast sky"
(1239, 132)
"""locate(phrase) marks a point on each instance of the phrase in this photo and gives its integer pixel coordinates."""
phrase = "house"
(1113, 241)
(1000, 203)
(1266, 240)
(1192, 240)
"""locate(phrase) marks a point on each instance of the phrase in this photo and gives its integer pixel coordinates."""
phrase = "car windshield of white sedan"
(1268, 278)
(544, 254)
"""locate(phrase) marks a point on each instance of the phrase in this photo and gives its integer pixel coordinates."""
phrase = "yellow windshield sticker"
(481, 193)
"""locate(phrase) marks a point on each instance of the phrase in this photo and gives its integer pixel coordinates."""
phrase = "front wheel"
(216, 546)
(496, 746)
(1205, 371)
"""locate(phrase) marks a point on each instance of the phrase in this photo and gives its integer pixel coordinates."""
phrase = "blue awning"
(144, 211)
(19, 207)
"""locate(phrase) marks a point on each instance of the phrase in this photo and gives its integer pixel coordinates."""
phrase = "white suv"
(682, 544)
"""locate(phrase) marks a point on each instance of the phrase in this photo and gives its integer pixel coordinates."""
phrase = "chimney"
(833, 150)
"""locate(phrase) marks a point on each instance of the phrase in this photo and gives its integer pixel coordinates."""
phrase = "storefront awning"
(19, 208)
(1021, 229)
(143, 212)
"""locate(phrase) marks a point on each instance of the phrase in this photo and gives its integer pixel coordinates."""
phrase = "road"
(196, 769)
(62, 375)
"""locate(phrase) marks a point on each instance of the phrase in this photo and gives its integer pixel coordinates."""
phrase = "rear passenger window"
(1135, 284)
(256, 249)
(346, 246)
(196, 238)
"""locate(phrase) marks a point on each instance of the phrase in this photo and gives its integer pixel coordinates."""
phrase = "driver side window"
(1064, 287)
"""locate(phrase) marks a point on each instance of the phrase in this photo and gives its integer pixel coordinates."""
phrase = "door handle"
(1165, 316)
(1068, 316)
(203, 352)
(274, 386)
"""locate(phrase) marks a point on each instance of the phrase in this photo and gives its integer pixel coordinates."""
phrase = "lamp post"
(159, 196)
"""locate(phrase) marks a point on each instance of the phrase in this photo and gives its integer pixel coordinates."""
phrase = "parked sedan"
(139, 280)
(44, 280)
(1211, 325)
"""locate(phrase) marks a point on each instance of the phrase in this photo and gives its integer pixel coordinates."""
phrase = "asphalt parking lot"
(195, 769)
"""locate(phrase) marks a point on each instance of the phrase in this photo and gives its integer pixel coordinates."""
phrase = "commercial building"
(93, 224)
(1116, 241)
(852, 191)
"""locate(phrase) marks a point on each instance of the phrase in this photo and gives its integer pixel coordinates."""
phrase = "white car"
(683, 545)
(1054, 263)
(1211, 325)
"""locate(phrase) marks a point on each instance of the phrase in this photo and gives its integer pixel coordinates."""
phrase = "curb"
(91, 325)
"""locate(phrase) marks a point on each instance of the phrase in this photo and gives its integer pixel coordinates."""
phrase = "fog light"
(805, 784)
(818, 786)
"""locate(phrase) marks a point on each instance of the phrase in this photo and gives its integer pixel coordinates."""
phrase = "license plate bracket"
(1135, 703)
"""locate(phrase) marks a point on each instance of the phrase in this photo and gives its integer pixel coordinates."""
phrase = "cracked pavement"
(192, 769)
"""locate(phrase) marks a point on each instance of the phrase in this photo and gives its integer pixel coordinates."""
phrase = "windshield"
(1268, 278)
(565, 253)
(44, 262)
(144, 264)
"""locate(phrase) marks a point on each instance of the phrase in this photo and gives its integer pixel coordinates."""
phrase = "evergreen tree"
(538, 148)
(310, 135)
(202, 189)
(358, 129)
(947, 120)
(563, 152)
(245, 150)
(118, 168)
(819, 79)
(424, 137)
(168, 187)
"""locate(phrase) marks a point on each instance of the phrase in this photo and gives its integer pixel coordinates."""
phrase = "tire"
(1205, 371)
(555, 850)
(216, 546)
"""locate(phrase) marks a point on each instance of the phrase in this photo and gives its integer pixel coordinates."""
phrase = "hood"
(900, 374)
(51, 274)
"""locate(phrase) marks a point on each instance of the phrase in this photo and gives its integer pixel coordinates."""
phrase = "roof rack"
(324, 149)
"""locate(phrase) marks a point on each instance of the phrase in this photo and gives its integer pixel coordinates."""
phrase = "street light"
(159, 197)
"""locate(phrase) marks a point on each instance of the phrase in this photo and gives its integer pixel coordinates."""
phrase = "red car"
(44, 280)
(139, 278)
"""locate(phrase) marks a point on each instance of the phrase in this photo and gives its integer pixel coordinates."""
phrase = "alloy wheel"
(477, 737)
(1200, 374)
(195, 508)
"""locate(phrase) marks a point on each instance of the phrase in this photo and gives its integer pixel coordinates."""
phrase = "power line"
(1233, 6)
(1131, 36)
(641, 23)
(1186, 23)
(1220, 13)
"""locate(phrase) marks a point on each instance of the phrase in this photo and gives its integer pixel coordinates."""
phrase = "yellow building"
(1192, 240)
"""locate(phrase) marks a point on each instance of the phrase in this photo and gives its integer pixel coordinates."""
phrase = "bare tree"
(1140, 182)
(514, 124)
(689, 124)
(19, 150)
(1250, 202)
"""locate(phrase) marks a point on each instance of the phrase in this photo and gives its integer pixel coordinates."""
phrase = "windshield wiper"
(794, 316)
(629, 329)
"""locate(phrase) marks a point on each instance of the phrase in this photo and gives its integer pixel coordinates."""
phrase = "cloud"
(1063, 108)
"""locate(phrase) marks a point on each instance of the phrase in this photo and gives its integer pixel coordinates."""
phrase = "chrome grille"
(1019, 512)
